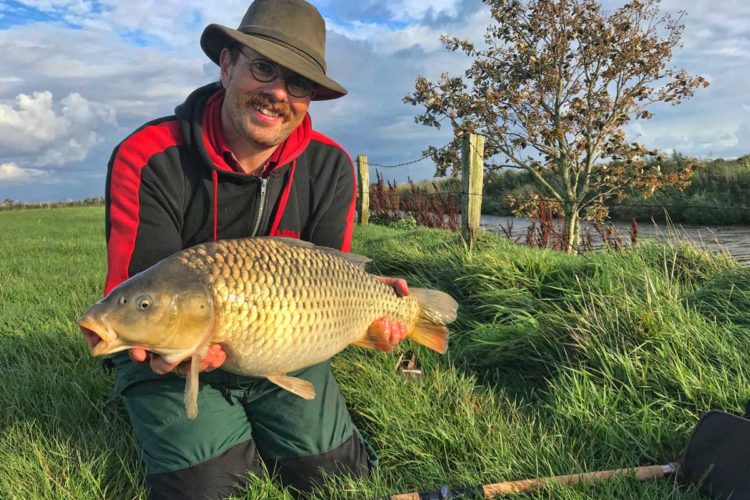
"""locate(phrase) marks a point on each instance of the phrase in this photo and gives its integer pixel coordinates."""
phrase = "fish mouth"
(97, 335)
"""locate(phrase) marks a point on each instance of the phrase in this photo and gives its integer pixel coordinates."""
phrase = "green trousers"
(315, 436)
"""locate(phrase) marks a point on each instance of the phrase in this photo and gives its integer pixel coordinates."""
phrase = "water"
(733, 239)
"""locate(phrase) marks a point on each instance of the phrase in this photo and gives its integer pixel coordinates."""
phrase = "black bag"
(717, 457)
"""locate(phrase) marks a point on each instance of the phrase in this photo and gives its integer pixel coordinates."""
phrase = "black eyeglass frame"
(307, 89)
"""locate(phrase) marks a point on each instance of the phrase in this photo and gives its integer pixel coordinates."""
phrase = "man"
(239, 158)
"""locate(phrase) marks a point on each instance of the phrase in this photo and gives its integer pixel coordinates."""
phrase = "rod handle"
(527, 485)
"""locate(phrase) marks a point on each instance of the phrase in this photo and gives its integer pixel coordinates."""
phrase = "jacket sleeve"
(143, 211)
(336, 225)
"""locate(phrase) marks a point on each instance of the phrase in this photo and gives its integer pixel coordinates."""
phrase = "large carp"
(275, 304)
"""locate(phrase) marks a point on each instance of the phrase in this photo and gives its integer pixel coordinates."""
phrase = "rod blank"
(528, 485)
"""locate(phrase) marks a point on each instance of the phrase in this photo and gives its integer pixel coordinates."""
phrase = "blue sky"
(77, 76)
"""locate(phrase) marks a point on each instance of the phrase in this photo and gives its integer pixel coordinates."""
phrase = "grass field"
(557, 365)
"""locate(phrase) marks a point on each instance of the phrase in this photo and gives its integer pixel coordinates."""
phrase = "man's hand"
(396, 330)
(215, 357)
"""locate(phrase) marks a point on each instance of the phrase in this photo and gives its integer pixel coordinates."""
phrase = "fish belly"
(290, 341)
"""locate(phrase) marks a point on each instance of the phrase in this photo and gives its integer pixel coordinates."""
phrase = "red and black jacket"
(169, 187)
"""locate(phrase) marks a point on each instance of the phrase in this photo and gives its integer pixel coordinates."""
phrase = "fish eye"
(122, 300)
(143, 302)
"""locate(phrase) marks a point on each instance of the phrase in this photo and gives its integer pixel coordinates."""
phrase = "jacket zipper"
(261, 204)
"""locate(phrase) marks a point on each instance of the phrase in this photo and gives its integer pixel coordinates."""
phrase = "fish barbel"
(275, 304)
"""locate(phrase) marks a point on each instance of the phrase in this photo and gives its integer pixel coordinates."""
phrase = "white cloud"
(29, 123)
(100, 66)
(403, 130)
(79, 6)
(167, 21)
(10, 172)
(56, 133)
(11, 80)
(709, 138)
(387, 39)
(417, 9)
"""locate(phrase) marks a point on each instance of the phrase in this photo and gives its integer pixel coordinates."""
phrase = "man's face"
(264, 113)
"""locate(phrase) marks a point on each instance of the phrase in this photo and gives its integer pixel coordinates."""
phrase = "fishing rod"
(529, 485)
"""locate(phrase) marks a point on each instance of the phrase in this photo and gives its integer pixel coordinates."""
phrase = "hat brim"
(216, 37)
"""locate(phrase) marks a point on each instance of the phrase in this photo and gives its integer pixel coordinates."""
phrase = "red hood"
(219, 152)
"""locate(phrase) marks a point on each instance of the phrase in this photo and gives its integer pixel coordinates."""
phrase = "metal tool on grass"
(715, 459)
(408, 367)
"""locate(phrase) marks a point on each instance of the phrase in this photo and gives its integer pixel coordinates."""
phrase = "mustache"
(263, 100)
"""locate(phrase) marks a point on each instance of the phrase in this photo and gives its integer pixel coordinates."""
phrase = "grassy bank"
(557, 364)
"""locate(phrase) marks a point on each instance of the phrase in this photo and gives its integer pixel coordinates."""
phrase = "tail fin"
(436, 309)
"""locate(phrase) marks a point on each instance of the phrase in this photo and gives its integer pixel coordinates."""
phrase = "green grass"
(557, 365)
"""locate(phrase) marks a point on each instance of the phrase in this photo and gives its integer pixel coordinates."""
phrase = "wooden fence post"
(363, 200)
(472, 179)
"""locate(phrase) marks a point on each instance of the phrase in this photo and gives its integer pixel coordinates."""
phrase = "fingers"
(156, 362)
(395, 330)
(158, 365)
(399, 285)
(215, 357)
(183, 368)
(401, 327)
(138, 354)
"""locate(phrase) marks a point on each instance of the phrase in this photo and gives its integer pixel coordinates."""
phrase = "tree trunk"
(573, 227)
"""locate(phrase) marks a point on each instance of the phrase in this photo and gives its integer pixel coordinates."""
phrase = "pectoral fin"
(298, 386)
(375, 338)
(191, 388)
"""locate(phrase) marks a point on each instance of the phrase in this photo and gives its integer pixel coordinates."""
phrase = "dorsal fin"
(357, 260)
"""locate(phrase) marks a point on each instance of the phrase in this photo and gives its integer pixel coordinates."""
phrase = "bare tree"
(552, 88)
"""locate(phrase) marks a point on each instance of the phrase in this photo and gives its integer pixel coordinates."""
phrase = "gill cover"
(166, 309)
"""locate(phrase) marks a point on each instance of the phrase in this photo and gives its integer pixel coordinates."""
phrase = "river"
(733, 239)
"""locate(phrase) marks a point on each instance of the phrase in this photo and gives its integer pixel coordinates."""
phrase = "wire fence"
(423, 157)
(609, 204)
(437, 204)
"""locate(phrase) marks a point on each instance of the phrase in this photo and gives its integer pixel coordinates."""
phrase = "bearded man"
(239, 158)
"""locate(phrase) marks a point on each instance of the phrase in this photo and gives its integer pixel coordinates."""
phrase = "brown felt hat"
(291, 33)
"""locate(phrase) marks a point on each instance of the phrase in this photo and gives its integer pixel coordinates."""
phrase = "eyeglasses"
(265, 71)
